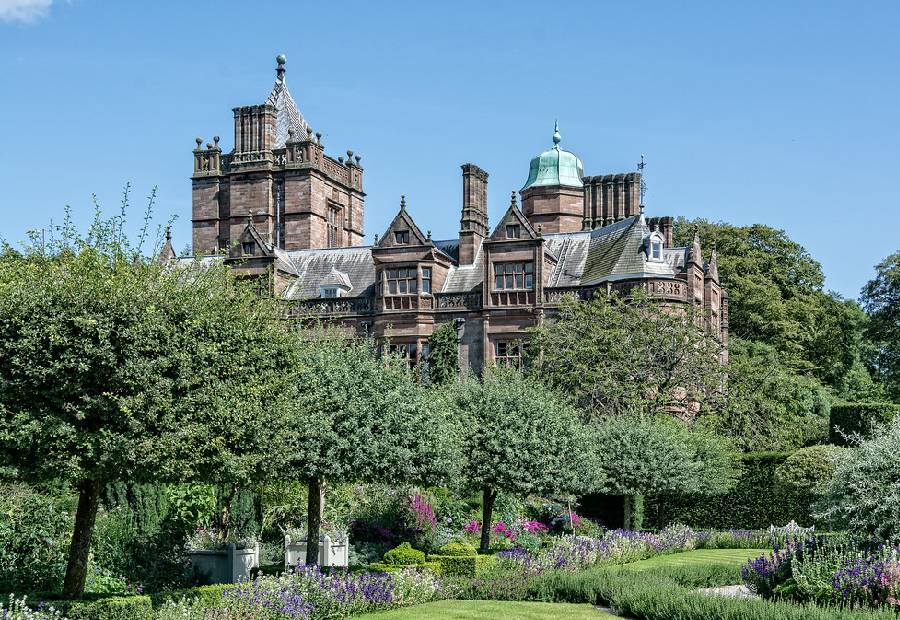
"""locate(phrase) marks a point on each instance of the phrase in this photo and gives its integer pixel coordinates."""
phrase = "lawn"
(701, 557)
(495, 610)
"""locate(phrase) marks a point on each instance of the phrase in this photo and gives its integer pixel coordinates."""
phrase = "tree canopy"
(357, 416)
(520, 438)
(881, 298)
(117, 368)
(616, 356)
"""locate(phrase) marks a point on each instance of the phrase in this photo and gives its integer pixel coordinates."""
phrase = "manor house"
(279, 208)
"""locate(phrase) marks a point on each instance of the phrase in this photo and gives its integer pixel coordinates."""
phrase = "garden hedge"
(755, 502)
(858, 418)
(461, 565)
(113, 608)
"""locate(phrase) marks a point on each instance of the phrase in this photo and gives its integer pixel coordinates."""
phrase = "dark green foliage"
(755, 502)
(35, 529)
(849, 419)
(207, 596)
(404, 555)
(456, 566)
(116, 608)
(443, 358)
(458, 548)
(809, 469)
(881, 299)
(769, 406)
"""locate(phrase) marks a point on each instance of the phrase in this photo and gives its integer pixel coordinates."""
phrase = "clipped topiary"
(458, 548)
(404, 555)
(810, 469)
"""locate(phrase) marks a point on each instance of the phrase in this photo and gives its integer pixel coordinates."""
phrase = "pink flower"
(499, 527)
(472, 527)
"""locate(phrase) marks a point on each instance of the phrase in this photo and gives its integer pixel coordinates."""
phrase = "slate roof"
(287, 114)
(316, 266)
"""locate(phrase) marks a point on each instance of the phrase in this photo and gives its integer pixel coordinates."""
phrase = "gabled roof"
(513, 216)
(315, 266)
(336, 278)
(402, 221)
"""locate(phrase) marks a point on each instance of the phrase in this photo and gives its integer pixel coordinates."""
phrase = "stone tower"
(553, 196)
(279, 176)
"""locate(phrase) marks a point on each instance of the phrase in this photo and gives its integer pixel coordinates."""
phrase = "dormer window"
(512, 231)
(247, 248)
(401, 237)
(329, 292)
(656, 250)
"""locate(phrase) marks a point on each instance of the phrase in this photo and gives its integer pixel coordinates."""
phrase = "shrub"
(809, 469)
(756, 501)
(207, 596)
(404, 555)
(457, 565)
(18, 609)
(849, 419)
(458, 548)
(116, 608)
(35, 529)
(864, 494)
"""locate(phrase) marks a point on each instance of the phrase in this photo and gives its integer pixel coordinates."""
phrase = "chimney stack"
(473, 226)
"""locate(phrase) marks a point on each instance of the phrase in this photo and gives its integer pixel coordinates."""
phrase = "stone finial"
(376, 238)
(357, 158)
(641, 207)
(318, 137)
(169, 233)
(280, 59)
(199, 141)
(290, 133)
(208, 146)
(540, 230)
(309, 132)
(429, 235)
(512, 198)
(402, 202)
(341, 158)
(556, 137)
(216, 141)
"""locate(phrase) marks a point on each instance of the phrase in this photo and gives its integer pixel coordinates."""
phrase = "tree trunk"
(314, 506)
(79, 550)
(487, 511)
(225, 512)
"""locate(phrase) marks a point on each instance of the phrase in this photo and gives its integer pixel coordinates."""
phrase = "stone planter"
(331, 552)
(227, 566)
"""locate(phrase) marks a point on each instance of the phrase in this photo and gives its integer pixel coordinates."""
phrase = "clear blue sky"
(784, 113)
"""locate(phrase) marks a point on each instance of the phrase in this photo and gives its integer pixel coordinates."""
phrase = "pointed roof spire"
(556, 137)
(712, 269)
(696, 253)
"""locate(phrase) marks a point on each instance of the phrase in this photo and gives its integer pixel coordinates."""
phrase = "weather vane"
(641, 165)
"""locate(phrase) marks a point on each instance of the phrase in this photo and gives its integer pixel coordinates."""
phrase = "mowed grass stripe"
(493, 610)
(701, 557)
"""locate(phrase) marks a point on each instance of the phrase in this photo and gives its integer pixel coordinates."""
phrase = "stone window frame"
(413, 351)
(509, 352)
(513, 231)
(406, 277)
(333, 225)
(514, 276)
(248, 248)
(330, 292)
(401, 237)
(426, 280)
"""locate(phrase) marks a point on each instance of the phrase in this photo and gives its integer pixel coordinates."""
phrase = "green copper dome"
(555, 167)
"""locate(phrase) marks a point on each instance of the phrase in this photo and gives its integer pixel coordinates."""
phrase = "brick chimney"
(473, 226)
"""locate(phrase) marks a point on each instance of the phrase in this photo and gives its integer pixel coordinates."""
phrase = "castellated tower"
(279, 176)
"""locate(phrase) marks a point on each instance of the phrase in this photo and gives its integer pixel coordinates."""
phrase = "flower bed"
(828, 571)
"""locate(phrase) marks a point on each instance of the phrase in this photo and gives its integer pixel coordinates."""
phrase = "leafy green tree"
(881, 299)
(768, 407)
(357, 417)
(520, 439)
(443, 357)
(117, 368)
(638, 456)
(811, 469)
(616, 356)
(776, 297)
(864, 494)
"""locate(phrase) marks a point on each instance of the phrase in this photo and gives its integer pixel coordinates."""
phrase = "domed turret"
(555, 166)
(553, 196)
